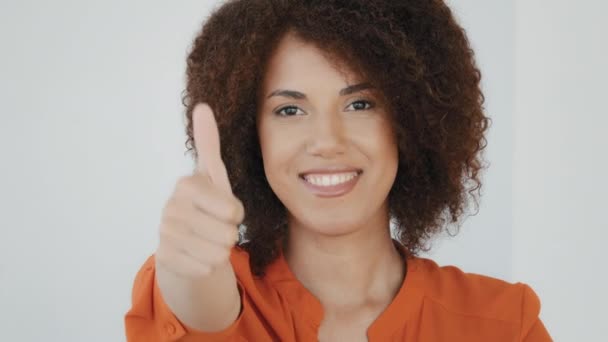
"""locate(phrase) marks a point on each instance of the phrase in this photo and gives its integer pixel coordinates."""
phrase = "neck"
(356, 269)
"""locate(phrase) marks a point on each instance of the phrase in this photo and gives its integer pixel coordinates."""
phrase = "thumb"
(207, 144)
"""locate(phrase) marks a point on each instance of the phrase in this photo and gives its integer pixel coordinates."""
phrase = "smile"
(330, 179)
(331, 184)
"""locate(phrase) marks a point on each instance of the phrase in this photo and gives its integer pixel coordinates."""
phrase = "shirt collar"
(404, 306)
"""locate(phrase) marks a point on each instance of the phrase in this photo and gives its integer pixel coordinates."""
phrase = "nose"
(327, 136)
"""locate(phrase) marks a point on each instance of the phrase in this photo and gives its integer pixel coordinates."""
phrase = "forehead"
(295, 61)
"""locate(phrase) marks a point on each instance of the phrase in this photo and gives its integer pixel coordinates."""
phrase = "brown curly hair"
(413, 51)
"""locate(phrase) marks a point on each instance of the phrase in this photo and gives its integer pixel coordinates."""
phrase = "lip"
(331, 169)
(332, 190)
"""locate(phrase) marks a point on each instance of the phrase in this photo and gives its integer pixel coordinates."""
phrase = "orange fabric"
(434, 304)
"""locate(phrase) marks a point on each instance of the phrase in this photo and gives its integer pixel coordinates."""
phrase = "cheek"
(277, 151)
(378, 140)
(387, 140)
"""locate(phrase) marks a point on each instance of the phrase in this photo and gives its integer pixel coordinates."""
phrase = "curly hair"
(413, 51)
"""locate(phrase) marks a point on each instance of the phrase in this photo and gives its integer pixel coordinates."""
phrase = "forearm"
(210, 303)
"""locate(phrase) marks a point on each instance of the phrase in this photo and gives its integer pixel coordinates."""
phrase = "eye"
(287, 111)
(360, 105)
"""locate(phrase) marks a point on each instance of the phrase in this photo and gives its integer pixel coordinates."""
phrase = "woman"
(336, 118)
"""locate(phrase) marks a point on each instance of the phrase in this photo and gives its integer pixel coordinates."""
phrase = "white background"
(92, 142)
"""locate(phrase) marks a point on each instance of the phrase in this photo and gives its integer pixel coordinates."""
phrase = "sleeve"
(532, 328)
(151, 320)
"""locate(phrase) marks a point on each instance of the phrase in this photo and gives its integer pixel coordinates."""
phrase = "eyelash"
(278, 111)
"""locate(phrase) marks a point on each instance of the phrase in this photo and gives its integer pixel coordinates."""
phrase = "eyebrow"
(301, 96)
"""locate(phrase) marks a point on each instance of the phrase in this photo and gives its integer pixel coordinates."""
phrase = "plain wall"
(560, 163)
(483, 243)
(92, 142)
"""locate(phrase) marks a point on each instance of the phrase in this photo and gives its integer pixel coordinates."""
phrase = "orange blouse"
(434, 304)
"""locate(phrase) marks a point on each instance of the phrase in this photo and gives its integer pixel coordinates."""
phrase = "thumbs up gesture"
(199, 221)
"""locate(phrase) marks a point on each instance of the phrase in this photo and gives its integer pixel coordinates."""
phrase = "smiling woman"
(335, 119)
(326, 129)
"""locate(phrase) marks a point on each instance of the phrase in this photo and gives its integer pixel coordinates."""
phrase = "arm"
(216, 292)
(150, 319)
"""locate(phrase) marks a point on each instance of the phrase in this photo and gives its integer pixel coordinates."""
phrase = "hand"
(199, 222)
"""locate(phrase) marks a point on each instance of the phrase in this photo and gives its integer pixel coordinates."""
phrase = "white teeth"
(330, 180)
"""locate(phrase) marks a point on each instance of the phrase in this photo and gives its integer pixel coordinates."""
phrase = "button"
(170, 328)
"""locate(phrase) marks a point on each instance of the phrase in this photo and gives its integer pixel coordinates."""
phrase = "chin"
(332, 227)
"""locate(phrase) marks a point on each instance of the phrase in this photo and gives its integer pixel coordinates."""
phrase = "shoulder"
(476, 295)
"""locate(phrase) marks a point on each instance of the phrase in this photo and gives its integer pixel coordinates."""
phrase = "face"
(327, 143)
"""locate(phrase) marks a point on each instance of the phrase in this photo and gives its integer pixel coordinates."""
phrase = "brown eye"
(361, 105)
(287, 111)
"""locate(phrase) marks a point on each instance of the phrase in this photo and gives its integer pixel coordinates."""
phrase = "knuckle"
(232, 235)
(165, 235)
(237, 212)
(169, 221)
(169, 208)
(184, 182)
(241, 213)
